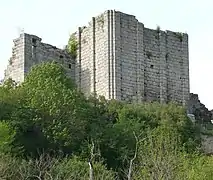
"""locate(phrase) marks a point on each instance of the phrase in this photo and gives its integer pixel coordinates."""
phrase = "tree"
(7, 135)
(50, 115)
(159, 154)
(74, 168)
(118, 143)
(48, 90)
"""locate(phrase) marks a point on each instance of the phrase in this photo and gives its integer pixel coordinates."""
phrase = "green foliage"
(48, 114)
(10, 61)
(100, 21)
(77, 169)
(158, 29)
(161, 156)
(9, 84)
(179, 36)
(118, 144)
(7, 135)
(29, 134)
(72, 46)
(48, 168)
(157, 36)
(8, 93)
(199, 168)
(51, 92)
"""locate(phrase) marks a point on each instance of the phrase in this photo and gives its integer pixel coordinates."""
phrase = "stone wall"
(202, 114)
(118, 58)
(15, 67)
(124, 60)
(178, 67)
(28, 50)
(207, 144)
(93, 57)
(128, 57)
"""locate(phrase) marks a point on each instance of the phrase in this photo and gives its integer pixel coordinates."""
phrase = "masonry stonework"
(124, 60)
(28, 51)
(196, 107)
(15, 67)
(118, 58)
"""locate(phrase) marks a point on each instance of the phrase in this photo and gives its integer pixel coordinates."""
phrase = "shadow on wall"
(85, 81)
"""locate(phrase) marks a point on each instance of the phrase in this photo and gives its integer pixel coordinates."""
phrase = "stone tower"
(117, 57)
(121, 59)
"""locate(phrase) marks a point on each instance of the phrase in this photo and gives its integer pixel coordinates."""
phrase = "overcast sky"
(53, 20)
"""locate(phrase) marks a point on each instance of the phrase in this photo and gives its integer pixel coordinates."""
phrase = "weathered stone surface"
(202, 114)
(130, 62)
(118, 58)
(207, 144)
(28, 50)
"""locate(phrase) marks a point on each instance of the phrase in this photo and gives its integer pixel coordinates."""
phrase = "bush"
(48, 168)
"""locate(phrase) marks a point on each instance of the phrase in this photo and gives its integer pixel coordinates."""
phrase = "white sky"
(53, 20)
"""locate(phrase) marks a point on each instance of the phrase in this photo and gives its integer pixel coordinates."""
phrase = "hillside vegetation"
(51, 131)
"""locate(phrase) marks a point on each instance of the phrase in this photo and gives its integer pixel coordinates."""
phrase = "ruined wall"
(29, 50)
(121, 59)
(154, 64)
(15, 67)
(207, 144)
(84, 64)
(149, 65)
(202, 114)
(178, 67)
(127, 56)
(93, 64)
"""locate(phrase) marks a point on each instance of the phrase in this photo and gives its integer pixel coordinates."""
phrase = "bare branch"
(51, 178)
(90, 162)
(135, 155)
(36, 177)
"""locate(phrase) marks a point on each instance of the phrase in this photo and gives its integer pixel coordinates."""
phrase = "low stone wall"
(207, 144)
(202, 114)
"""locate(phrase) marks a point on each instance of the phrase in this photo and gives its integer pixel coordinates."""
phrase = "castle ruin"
(117, 57)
